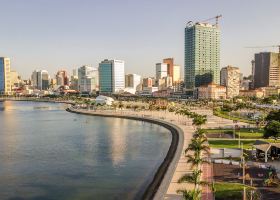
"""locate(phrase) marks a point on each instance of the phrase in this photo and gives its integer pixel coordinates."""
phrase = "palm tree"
(200, 133)
(196, 160)
(198, 146)
(190, 194)
(199, 120)
(193, 178)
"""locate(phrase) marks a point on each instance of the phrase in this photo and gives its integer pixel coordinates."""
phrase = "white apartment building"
(161, 70)
(230, 78)
(40, 79)
(88, 79)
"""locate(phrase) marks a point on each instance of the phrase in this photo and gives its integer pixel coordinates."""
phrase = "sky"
(66, 34)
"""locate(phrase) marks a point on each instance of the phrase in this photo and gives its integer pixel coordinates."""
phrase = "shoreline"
(162, 178)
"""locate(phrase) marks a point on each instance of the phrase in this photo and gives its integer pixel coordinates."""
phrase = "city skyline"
(54, 35)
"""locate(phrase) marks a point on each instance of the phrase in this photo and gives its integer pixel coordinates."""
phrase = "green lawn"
(249, 135)
(247, 144)
(227, 116)
(232, 191)
(245, 133)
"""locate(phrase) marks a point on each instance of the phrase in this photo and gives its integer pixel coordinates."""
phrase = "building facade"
(258, 93)
(161, 70)
(88, 79)
(5, 79)
(74, 80)
(40, 79)
(62, 78)
(148, 82)
(133, 81)
(170, 66)
(15, 79)
(266, 69)
(176, 74)
(211, 91)
(202, 55)
(230, 78)
(111, 76)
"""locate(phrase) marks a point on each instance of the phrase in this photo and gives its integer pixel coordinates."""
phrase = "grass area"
(245, 133)
(247, 144)
(227, 116)
(232, 191)
(249, 135)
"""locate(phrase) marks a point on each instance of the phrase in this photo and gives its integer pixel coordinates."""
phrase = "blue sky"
(56, 34)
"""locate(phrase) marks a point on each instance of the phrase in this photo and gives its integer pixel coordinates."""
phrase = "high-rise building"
(15, 79)
(74, 80)
(176, 74)
(132, 80)
(202, 55)
(230, 78)
(266, 69)
(111, 76)
(170, 65)
(61, 78)
(5, 79)
(88, 79)
(40, 79)
(161, 70)
(148, 82)
(133, 83)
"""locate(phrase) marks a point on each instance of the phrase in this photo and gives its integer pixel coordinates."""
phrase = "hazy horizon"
(66, 34)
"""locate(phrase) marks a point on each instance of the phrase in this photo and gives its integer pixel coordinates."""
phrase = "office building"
(211, 91)
(230, 78)
(202, 55)
(133, 81)
(266, 69)
(62, 78)
(148, 82)
(161, 70)
(111, 76)
(176, 73)
(88, 79)
(74, 80)
(15, 79)
(40, 79)
(5, 79)
(170, 66)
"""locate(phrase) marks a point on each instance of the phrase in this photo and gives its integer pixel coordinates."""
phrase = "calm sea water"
(47, 153)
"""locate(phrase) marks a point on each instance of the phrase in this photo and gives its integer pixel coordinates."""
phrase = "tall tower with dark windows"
(202, 55)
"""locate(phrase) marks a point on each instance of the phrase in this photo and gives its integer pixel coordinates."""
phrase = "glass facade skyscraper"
(111, 76)
(202, 55)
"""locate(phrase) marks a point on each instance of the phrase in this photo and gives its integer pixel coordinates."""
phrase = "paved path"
(207, 193)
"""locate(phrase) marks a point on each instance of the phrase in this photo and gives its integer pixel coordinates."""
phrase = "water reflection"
(51, 154)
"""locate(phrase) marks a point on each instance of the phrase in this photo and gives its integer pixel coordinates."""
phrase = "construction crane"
(272, 46)
(216, 17)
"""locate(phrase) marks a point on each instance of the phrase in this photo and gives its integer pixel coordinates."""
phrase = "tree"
(190, 194)
(273, 115)
(193, 178)
(199, 120)
(198, 146)
(196, 160)
(272, 129)
(200, 133)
